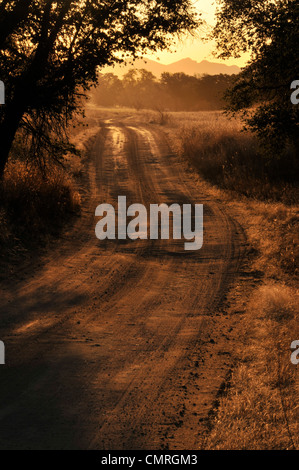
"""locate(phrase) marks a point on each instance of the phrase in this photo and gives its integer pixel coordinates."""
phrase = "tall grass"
(273, 229)
(260, 410)
(232, 160)
(34, 205)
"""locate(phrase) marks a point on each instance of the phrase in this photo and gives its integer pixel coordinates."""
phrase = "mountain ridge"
(186, 65)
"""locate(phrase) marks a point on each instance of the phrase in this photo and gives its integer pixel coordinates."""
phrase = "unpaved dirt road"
(120, 344)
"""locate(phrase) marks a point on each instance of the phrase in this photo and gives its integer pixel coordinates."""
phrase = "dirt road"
(120, 344)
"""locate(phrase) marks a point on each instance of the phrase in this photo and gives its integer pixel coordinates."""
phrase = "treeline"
(140, 89)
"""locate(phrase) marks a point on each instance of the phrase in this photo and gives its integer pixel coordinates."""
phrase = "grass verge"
(232, 160)
(259, 410)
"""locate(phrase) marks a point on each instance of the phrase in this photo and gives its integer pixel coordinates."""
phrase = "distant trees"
(51, 51)
(174, 92)
(269, 30)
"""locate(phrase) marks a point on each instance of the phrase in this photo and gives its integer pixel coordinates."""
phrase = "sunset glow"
(194, 47)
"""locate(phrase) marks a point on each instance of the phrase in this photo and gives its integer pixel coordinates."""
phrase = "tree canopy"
(51, 52)
(269, 31)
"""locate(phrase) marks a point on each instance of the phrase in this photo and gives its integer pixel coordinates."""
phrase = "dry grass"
(259, 410)
(221, 152)
(272, 230)
(232, 160)
(33, 205)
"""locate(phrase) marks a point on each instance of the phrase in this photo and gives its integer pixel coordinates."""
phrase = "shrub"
(232, 160)
(34, 204)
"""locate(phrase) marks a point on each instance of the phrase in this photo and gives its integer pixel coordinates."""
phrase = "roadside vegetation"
(234, 160)
(258, 408)
(140, 89)
(40, 198)
(35, 204)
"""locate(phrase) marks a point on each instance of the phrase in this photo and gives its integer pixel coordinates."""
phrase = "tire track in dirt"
(164, 379)
(109, 347)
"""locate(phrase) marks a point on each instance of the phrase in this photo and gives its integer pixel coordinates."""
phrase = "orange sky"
(194, 48)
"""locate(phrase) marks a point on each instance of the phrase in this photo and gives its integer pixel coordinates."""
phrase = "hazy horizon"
(185, 65)
(193, 47)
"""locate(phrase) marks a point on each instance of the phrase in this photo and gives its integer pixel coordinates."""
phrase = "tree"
(139, 89)
(51, 53)
(269, 31)
(174, 92)
(108, 91)
(12, 13)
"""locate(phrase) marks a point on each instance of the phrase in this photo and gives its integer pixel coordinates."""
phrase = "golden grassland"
(231, 158)
(258, 410)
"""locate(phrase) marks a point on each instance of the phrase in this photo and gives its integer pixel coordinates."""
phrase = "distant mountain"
(187, 66)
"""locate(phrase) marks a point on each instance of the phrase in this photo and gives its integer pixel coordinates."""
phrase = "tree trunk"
(27, 82)
(8, 129)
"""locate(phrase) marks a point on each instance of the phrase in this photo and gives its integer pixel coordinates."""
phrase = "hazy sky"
(194, 48)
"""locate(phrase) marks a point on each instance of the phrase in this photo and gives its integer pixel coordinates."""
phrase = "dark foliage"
(269, 30)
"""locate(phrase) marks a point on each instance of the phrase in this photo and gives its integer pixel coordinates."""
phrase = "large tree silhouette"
(269, 31)
(51, 52)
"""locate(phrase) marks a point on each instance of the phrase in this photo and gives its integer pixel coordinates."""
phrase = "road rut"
(120, 344)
